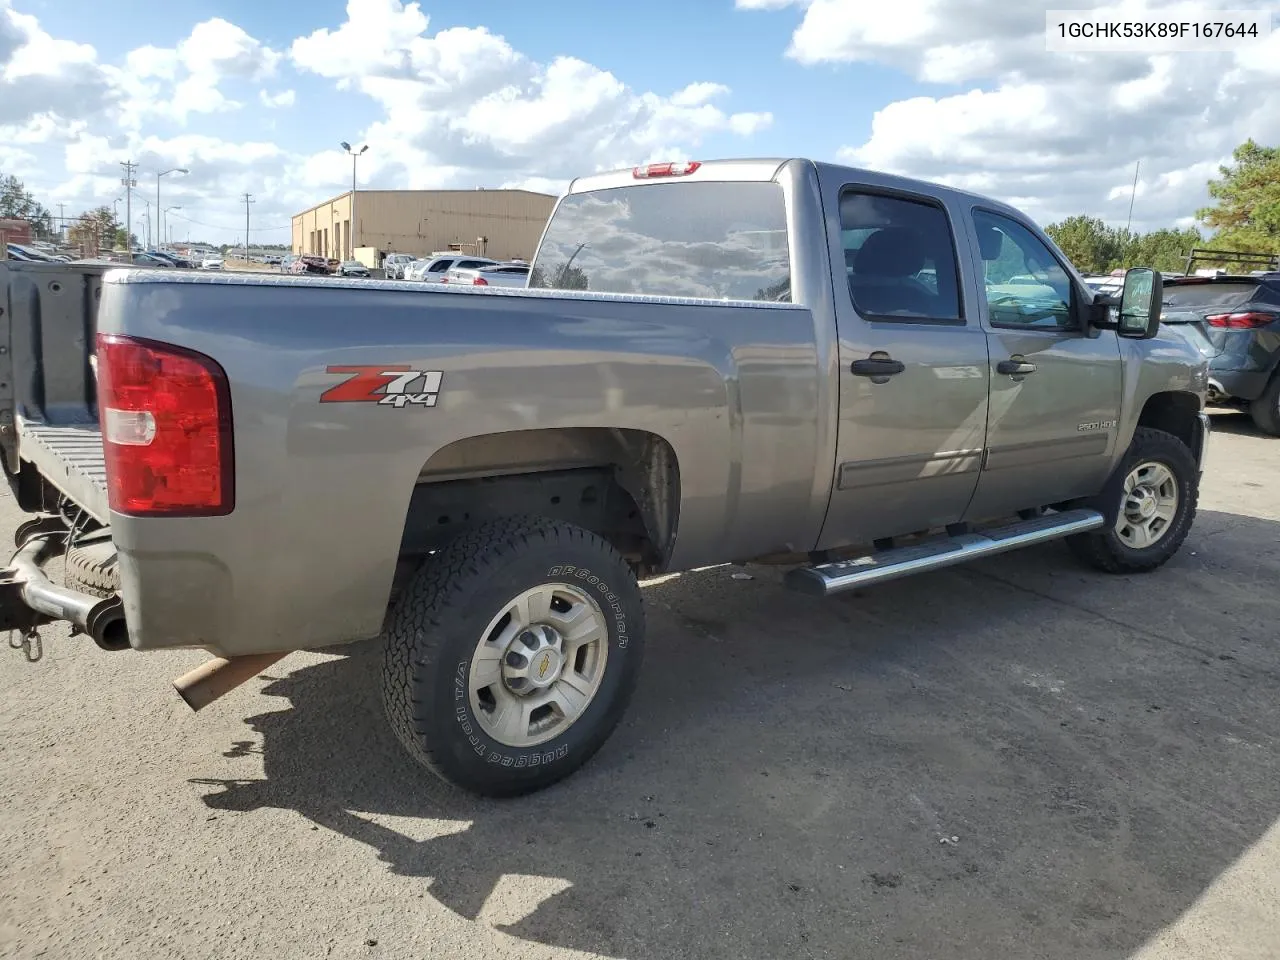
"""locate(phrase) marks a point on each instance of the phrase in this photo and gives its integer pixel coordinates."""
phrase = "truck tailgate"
(70, 457)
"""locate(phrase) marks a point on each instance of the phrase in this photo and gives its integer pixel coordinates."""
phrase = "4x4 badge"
(387, 384)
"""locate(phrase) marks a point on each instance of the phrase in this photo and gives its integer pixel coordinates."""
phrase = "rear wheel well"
(1175, 413)
(621, 484)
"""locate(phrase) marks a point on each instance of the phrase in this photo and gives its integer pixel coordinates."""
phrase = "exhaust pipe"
(101, 618)
(216, 677)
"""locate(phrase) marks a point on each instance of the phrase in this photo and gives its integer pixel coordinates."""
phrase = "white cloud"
(42, 75)
(174, 83)
(285, 98)
(696, 94)
(218, 49)
(456, 107)
(464, 98)
(1054, 133)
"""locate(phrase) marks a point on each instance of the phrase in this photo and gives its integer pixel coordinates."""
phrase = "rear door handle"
(1015, 368)
(877, 367)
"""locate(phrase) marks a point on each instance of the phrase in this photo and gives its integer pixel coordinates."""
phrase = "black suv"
(1235, 320)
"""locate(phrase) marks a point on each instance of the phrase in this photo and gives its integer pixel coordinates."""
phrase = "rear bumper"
(1240, 384)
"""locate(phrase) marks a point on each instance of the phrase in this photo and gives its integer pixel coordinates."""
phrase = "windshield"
(1193, 296)
(725, 241)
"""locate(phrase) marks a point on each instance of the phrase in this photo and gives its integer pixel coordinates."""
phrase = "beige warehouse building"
(502, 224)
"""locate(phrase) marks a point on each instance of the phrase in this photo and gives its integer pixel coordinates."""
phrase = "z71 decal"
(389, 384)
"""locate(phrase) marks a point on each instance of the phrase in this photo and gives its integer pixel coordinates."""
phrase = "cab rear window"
(724, 241)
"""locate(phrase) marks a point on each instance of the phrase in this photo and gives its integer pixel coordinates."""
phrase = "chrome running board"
(828, 578)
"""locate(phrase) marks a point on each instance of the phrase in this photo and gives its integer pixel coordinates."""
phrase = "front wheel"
(512, 655)
(1149, 502)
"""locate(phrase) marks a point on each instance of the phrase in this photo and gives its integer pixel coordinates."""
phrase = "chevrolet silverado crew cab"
(856, 375)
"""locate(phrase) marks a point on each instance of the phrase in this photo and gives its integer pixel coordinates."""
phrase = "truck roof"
(766, 168)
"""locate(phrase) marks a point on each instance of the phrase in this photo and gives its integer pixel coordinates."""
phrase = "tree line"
(1245, 217)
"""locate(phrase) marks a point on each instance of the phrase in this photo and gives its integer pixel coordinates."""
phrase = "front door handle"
(876, 367)
(1015, 368)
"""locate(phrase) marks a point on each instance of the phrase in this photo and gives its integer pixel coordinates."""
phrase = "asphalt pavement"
(1016, 759)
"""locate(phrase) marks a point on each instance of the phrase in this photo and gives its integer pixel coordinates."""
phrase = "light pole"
(163, 220)
(351, 241)
(165, 173)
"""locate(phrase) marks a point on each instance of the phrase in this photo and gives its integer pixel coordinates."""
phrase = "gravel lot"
(1015, 759)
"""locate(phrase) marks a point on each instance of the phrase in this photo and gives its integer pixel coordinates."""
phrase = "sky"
(255, 97)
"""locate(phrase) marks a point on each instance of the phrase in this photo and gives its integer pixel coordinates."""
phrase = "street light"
(351, 240)
(165, 173)
(162, 219)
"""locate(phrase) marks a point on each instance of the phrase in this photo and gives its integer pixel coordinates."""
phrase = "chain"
(29, 643)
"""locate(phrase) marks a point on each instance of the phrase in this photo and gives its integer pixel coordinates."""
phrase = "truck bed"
(70, 457)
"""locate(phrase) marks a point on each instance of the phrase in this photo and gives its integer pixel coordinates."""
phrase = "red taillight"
(681, 169)
(1241, 321)
(166, 429)
(479, 282)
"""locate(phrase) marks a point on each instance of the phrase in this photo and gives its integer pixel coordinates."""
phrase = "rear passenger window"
(900, 259)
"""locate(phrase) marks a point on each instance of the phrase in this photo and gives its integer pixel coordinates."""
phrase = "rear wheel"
(512, 655)
(1149, 503)
(1266, 409)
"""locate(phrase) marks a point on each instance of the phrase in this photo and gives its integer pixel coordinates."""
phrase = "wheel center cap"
(534, 660)
(545, 668)
(1144, 502)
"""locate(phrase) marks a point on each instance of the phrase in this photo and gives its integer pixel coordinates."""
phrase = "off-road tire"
(93, 568)
(1102, 548)
(443, 613)
(1266, 409)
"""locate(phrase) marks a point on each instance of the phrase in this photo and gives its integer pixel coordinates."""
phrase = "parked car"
(172, 259)
(150, 260)
(435, 269)
(756, 360)
(352, 268)
(1234, 320)
(287, 262)
(310, 263)
(393, 265)
(26, 254)
(210, 263)
(493, 275)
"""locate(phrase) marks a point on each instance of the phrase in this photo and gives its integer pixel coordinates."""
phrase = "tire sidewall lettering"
(492, 753)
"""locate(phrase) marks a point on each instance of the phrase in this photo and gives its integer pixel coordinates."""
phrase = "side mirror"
(1139, 306)
(1140, 303)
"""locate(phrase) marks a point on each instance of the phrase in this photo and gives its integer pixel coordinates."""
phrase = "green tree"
(1246, 211)
(98, 227)
(1091, 245)
(17, 202)
(1164, 250)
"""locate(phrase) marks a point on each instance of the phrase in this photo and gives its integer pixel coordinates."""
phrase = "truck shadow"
(1017, 758)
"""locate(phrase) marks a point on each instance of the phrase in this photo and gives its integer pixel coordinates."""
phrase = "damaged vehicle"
(857, 375)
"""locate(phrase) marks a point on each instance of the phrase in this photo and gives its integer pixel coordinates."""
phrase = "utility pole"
(248, 199)
(129, 183)
(62, 221)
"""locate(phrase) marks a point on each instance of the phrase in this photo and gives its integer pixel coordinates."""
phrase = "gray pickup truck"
(856, 375)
